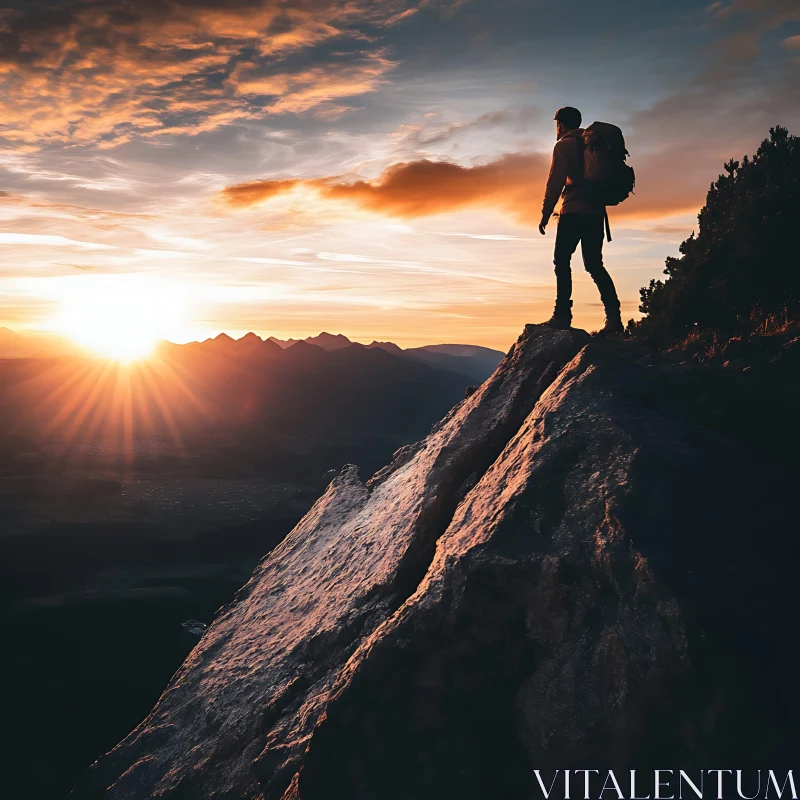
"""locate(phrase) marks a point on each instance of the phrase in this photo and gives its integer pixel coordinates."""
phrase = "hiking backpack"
(607, 178)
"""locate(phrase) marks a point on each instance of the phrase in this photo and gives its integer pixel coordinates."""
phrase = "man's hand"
(543, 225)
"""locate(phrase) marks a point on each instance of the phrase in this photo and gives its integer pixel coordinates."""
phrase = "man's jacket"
(566, 178)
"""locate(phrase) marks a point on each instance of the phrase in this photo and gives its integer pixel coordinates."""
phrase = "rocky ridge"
(564, 573)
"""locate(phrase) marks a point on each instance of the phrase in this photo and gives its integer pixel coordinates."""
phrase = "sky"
(368, 168)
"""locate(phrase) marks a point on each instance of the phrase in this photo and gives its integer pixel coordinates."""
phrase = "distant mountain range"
(471, 360)
(468, 359)
(295, 410)
(35, 345)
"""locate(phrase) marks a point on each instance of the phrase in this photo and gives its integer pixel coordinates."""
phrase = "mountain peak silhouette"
(223, 338)
(330, 341)
(389, 347)
(325, 340)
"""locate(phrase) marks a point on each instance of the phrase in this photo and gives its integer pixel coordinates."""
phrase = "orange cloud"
(244, 195)
(105, 71)
(513, 184)
(422, 188)
(315, 88)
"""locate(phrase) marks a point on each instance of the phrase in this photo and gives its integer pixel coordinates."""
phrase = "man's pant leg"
(592, 235)
(568, 234)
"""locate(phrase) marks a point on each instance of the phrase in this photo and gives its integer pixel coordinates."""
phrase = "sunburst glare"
(121, 317)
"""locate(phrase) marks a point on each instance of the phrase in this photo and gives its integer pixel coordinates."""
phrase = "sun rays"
(108, 407)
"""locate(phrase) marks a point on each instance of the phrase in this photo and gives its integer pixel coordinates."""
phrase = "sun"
(120, 317)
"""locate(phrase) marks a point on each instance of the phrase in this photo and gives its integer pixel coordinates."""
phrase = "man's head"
(567, 119)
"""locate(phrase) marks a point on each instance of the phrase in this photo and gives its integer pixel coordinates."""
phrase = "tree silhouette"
(740, 275)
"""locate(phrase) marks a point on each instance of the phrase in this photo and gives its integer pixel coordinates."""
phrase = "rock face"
(568, 572)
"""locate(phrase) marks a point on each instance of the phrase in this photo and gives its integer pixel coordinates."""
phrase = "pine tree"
(741, 274)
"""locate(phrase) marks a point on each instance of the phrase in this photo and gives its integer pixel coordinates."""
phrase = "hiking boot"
(613, 327)
(562, 318)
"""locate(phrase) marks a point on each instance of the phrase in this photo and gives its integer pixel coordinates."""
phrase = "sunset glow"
(375, 169)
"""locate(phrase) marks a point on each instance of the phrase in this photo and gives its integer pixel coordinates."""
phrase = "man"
(580, 221)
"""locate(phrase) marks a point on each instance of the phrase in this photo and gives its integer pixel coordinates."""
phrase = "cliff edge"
(569, 571)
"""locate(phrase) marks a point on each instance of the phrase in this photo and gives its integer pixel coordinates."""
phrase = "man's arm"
(556, 181)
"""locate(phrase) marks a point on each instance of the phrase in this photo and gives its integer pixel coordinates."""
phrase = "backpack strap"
(580, 177)
(608, 227)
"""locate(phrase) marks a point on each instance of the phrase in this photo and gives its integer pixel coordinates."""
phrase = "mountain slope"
(363, 551)
(561, 574)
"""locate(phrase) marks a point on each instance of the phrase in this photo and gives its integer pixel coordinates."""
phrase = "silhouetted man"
(580, 221)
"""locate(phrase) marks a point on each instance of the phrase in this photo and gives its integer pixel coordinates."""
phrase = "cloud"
(243, 195)
(49, 241)
(515, 119)
(316, 88)
(512, 184)
(740, 48)
(491, 237)
(106, 71)
(768, 13)
(422, 188)
(680, 142)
